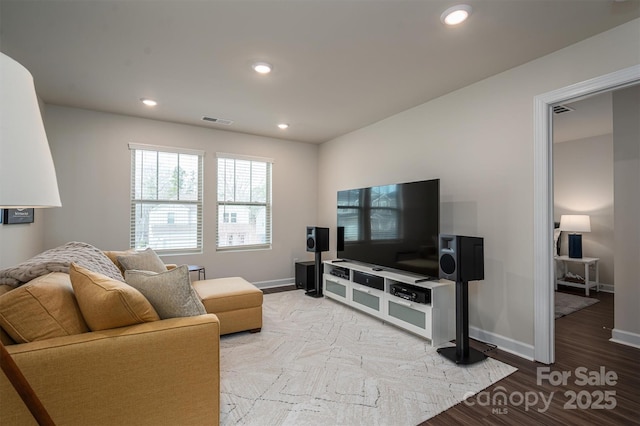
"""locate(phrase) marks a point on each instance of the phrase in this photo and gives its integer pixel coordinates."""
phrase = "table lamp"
(27, 179)
(574, 224)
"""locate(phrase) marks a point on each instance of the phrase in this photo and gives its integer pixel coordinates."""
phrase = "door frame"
(543, 267)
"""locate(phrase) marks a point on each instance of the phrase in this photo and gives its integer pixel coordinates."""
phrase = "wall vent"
(218, 120)
(561, 109)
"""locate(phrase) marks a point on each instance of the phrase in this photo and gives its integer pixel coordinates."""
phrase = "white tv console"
(435, 321)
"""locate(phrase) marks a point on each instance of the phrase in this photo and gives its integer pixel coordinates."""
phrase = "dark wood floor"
(582, 341)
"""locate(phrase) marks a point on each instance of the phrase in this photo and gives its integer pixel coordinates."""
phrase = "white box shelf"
(434, 320)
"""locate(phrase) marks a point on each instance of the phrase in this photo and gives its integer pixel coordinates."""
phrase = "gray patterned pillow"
(146, 260)
(169, 292)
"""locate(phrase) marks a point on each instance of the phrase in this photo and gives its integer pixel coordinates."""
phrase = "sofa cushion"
(107, 303)
(170, 292)
(146, 260)
(43, 308)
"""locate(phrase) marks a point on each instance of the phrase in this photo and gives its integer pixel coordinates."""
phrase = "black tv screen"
(392, 226)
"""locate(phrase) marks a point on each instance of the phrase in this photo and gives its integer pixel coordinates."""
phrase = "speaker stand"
(462, 353)
(317, 292)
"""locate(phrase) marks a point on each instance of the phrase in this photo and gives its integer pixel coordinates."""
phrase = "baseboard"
(607, 288)
(625, 338)
(503, 343)
(275, 283)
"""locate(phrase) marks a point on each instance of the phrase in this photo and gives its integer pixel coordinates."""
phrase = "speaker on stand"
(317, 242)
(461, 260)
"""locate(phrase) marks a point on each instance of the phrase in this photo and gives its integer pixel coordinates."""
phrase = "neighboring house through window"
(166, 199)
(244, 202)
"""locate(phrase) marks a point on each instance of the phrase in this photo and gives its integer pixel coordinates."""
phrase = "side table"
(200, 270)
(587, 262)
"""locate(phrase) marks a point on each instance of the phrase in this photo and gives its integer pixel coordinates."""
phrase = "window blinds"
(166, 199)
(243, 202)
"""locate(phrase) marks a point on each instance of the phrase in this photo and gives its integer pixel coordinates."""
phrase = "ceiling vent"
(218, 120)
(561, 109)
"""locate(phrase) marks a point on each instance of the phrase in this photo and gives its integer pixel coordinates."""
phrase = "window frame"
(267, 204)
(198, 202)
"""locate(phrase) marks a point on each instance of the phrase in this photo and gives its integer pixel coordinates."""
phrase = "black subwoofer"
(305, 275)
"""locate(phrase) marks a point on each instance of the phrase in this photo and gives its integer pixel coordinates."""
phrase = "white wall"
(479, 142)
(583, 184)
(93, 163)
(19, 242)
(626, 134)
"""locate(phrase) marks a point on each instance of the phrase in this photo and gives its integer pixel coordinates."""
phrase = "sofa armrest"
(162, 372)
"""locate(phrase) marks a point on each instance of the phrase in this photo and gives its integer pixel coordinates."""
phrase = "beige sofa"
(161, 372)
(158, 373)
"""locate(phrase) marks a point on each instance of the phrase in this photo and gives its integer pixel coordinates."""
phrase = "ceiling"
(337, 65)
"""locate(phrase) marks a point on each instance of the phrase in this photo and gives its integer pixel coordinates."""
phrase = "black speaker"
(317, 239)
(461, 258)
(340, 239)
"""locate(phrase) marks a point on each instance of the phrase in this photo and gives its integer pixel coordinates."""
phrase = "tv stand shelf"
(434, 320)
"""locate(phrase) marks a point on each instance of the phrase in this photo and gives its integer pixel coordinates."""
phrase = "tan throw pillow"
(43, 308)
(107, 303)
(114, 254)
(170, 292)
(146, 260)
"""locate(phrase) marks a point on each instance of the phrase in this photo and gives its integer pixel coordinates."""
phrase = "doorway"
(544, 326)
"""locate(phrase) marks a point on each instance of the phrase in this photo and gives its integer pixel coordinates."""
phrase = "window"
(230, 217)
(244, 202)
(166, 199)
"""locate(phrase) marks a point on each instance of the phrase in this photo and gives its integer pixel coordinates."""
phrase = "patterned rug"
(566, 304)
(318, 362)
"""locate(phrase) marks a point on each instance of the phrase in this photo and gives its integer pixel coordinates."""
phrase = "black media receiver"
(368, 280)
(412, 293)
(340, 272)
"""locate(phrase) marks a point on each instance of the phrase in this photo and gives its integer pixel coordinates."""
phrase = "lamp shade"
(575, 223)
(27, 173)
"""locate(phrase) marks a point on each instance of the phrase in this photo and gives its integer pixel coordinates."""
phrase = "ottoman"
(236, 302)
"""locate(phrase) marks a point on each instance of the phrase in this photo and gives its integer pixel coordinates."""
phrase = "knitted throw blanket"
(58, 260)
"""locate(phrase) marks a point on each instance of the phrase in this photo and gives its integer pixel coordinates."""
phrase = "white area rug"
(566, 304)
(318, 362)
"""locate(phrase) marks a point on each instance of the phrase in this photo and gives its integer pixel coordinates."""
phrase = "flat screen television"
(391, 226)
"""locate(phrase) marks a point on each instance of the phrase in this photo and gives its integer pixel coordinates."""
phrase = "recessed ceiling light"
(262, 67)
(283, 126)
(149, 102)
(456, 14)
